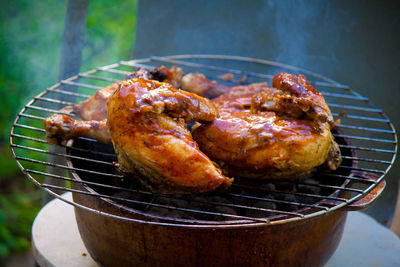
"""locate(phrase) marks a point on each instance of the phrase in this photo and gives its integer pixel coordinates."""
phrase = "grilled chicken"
(274, 133)
(147, 124)
(260, 132)
(147, 121)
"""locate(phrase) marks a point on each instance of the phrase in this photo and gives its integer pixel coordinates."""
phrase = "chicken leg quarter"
(147, 123)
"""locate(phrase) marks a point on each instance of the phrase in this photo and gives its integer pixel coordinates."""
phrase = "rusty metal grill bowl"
(366, 137)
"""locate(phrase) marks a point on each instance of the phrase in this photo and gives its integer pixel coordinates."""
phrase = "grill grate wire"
(371, 138)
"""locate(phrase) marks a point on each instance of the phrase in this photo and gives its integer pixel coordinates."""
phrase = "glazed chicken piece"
(147, 122)
(95, 107)
(270, 133)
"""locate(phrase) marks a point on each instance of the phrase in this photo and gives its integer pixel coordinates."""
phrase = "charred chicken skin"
(274, 133)
(147, 122)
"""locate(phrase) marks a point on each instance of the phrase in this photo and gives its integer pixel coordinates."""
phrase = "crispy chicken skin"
(270, 133)
(147, 122)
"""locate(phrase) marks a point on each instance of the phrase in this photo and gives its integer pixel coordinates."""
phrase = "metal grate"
(366, 137)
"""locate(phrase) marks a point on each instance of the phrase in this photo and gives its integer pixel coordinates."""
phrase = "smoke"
(29, 46)
(305, 33)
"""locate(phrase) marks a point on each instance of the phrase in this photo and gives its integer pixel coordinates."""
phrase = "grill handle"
(366, 200)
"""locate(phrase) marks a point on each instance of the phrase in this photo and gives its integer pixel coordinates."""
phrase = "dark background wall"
(353, 42)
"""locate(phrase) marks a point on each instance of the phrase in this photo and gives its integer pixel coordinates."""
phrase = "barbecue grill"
(365, 135)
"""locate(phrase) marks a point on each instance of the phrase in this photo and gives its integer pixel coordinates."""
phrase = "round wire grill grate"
(366, 137)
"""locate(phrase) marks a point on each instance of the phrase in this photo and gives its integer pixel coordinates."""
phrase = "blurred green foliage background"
(30, 44)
